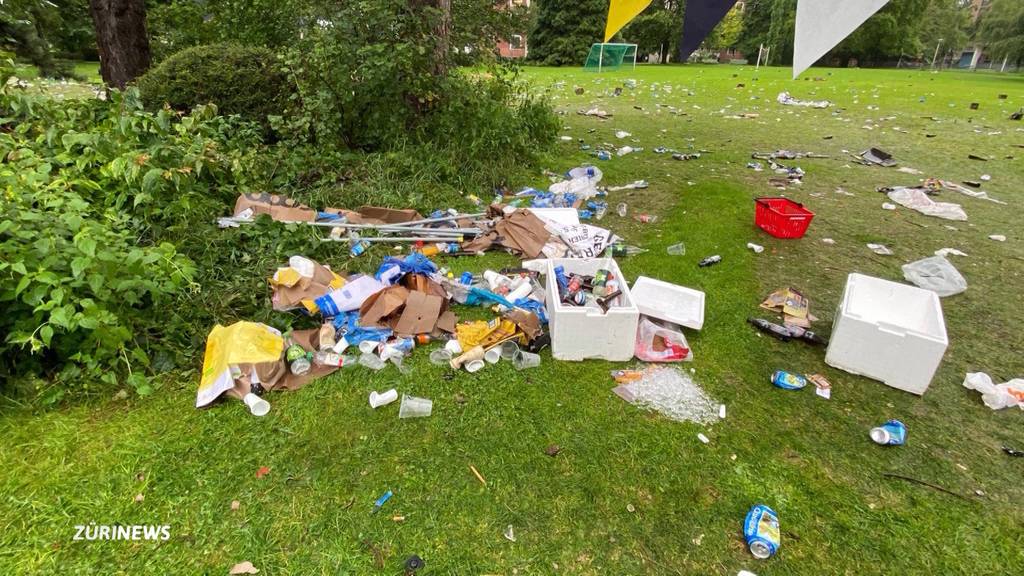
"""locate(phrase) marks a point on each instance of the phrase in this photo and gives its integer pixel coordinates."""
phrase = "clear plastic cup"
(509, 349)
(677, 249)
(413, 407)
(440, 357)
(523, 360)
(378, 400)
(622, 209)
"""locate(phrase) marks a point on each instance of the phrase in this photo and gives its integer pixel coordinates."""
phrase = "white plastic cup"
(368, 346)
(509, 349)
(454, 347)
(257, 406)
(474, 366)
(493, 355)
(378, 400)
(523, 360)
(413, 407)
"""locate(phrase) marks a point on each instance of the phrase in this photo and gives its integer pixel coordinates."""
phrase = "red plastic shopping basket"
(781, 217)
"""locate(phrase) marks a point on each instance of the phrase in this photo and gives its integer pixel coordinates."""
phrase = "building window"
(517, 42)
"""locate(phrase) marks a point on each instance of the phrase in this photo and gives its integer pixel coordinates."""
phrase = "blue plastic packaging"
(788, 380)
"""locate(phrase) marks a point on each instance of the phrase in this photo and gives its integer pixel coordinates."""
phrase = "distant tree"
(1002, 29)
(945, 20)
(892, 31)
(656, 29)
(727, 33)
(566, 29)
(121, 39)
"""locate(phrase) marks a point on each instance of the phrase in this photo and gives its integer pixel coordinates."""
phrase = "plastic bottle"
(330, 358)
(710, 261)
(358, 248)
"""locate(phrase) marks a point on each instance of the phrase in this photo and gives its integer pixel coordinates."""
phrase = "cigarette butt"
(398, 518)
(477, 474)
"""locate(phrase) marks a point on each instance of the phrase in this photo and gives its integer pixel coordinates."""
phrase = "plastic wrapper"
(661, 342)
(670, 392)
(996, 396)
(936, 274)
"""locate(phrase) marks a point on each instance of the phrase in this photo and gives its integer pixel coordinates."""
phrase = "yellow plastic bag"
(240, 343)
(480, 333)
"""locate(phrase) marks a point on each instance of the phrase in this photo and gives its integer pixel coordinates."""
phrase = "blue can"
(788, 380)
(603, 155)
(761, 530)
(892, 433)
(466, 278)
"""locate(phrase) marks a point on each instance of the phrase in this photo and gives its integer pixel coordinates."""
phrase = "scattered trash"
(794, 307)
(874, 156)
(676, 249)
(378, 400)
(412, 564)
(785, 99)
(917, 199)
(595, 112)
(822, 387)
(1011, 452)
(976, 157)
(996, 396)
(909, 170)
(622, 209)
(659, 341)
(243, 568)
(985, 178)
(553, 450)
(625, 150)
(704, 439)
(788, 380)
(509, 534)
(892, 433)
(622, 134)
(635, 185)
(997, 237)
(262, 471)
(757, 248)
(888, 206)
(630, 508)
(235, 505)
(666, 390)
(710, 261)
(787, 332)
(761, 531)
(681, 156)
(379, 503)
(477, 474)
(646, 218)
(881, 249)
(937, 274)
(523, 360)
(669, 302)
(828, 241)
(414, 407)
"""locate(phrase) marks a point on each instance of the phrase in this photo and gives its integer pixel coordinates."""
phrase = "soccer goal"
(604, 56)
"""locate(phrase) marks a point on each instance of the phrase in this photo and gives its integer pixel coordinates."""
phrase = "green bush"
(241, 80)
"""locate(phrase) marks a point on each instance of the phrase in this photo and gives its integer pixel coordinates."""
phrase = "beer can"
(761, 530)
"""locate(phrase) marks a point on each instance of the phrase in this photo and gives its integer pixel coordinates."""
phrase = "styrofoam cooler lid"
(669, 302)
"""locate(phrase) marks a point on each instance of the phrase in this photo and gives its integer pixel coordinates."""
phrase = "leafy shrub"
(95, 196)
(241, 80)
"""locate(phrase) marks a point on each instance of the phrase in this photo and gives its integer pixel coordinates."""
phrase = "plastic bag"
(240, 343)
(936, 274)
(996, 396)
(661, 342)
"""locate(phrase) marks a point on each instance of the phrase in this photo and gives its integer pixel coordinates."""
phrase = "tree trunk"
(442, 31)
(121, 39)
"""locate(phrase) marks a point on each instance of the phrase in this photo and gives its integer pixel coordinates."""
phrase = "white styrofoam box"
(669, 302)
(578, 333)
(888, 331)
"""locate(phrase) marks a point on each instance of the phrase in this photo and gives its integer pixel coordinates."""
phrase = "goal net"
(604, 56)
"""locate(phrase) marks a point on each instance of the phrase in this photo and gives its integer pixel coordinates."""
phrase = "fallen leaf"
(553, 450)
(263, 471)
(244, 568)
(235, 504)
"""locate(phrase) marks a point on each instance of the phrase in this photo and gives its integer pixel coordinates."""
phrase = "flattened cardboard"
(446, 322)
(420, 314)
(289, 297)
(527, 321)
(388, 215)
(381, 305)
(279, 208)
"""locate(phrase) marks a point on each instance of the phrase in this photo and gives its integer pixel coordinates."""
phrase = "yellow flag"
(620, 12)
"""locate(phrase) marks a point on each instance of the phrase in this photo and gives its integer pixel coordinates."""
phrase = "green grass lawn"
(630, 492)
(87, 72)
